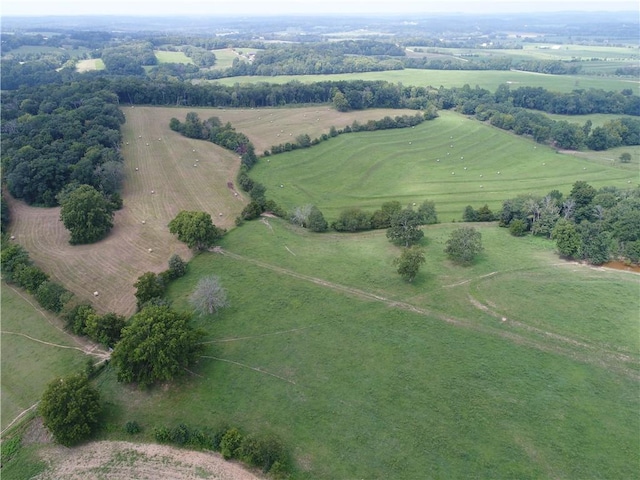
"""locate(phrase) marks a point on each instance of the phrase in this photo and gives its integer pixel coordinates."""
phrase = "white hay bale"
(450, 146)
(414, 204)
(447, 153)
(481, 186)
(220, 214)
(235, 194)
(461, 158)
(147, 144)
(152, 192)
(409, 143)
(151, 250)
(95, 294)
(584, 168)
(136, 169)
(13, 237)
(197, 160)
(437, 160)
(453, 173)
(193, 150)
(281, 186)
(465, 168)
(139, 136)
(498, 173)
(127, 143)
(159, 139)
(628, 181)
(195, 164)
(543, 164)
(480, 175)
(144, 221)
(281, 131)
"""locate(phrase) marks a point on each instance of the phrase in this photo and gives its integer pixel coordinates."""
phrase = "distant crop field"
(35, 350)
(451, 160)
(449, 78)
(90, 65)
(326, 347)
(226, 56)
(165, 56)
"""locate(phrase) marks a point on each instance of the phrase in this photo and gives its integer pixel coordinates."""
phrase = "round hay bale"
(281, 186)
(147, 144)
(151, 250)
(13, 237)
(136, 169)
(95, 294)
(220, 214)
(144, 221)
(409, 143)
(152, 192)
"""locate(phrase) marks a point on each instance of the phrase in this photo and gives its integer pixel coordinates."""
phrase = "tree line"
(594, 225)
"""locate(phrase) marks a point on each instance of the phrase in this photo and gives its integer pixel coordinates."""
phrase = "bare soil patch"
(124, 461)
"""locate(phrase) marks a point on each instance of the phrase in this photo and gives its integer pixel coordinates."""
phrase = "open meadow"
(166, 56)
(452, 161)
(35, 350)
(363, 375)
(489, 79)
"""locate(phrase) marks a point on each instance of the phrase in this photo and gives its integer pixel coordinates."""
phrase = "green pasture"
(27, 365)
(365, 376)
(225, 56)
(451, 160)
(46, 50)
(165, 56)
(451, 78)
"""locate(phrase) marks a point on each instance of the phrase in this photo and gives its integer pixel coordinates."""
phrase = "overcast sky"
(261, 7)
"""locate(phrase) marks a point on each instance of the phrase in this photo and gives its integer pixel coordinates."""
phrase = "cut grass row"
(451, 160)
(360, 388)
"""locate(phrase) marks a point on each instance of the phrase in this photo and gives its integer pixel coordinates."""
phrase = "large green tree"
(405, 228)
(157, 345)
(149, 286)
(568, 240)
(87, 214)
(409, 262)
(464, 245)
(196, 229)
(70, 409)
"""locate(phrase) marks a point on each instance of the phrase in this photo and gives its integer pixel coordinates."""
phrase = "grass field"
(451, 160)
(29, 364)
(90, 65)
(450, 78)
(226, 56)
(162, 161)
(165, 56)
(366, 376)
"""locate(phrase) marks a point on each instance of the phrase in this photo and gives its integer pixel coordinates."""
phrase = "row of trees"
(214, 131)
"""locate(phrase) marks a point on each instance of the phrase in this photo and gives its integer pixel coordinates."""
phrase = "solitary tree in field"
(409, 262)
(463, 245)
(196, 229)
(70, 408)
(209, 296)
(405, 228)
(87, 214)
(157, 345)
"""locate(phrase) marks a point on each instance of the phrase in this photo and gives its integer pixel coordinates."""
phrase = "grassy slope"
(452, 78)
(28, 366)
(362, 169)
(361, 388)
(165, 56)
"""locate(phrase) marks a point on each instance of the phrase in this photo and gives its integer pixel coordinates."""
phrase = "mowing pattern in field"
(35, 350)
(158, 160)
(184, 174)
(451, 160)
(366, 376)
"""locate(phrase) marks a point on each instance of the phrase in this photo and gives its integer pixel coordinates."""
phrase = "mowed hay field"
(165, 164)
(451, 160)
(363, 375)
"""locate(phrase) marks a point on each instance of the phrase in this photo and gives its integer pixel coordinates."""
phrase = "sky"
(279, 7)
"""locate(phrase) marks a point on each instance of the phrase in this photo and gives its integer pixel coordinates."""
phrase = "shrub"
(52, 296)
(230, 444)
(352, 220)
(132, 427)
(29, 277)
(517, 228)
(162, 434)
(177, 266)
(180, 435)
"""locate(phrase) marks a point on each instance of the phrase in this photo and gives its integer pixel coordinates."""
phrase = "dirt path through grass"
(509, 329)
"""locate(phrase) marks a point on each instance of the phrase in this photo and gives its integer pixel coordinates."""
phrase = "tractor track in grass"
(555, 344)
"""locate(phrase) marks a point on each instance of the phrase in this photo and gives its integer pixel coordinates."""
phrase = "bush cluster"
(264, 452)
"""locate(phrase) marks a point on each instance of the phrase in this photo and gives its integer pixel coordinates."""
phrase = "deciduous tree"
(70, 408)
(157, 345)
(405, 228)
(196, 229)
(209, 296)
(409, 262)
(87, 214)
(463, 245)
